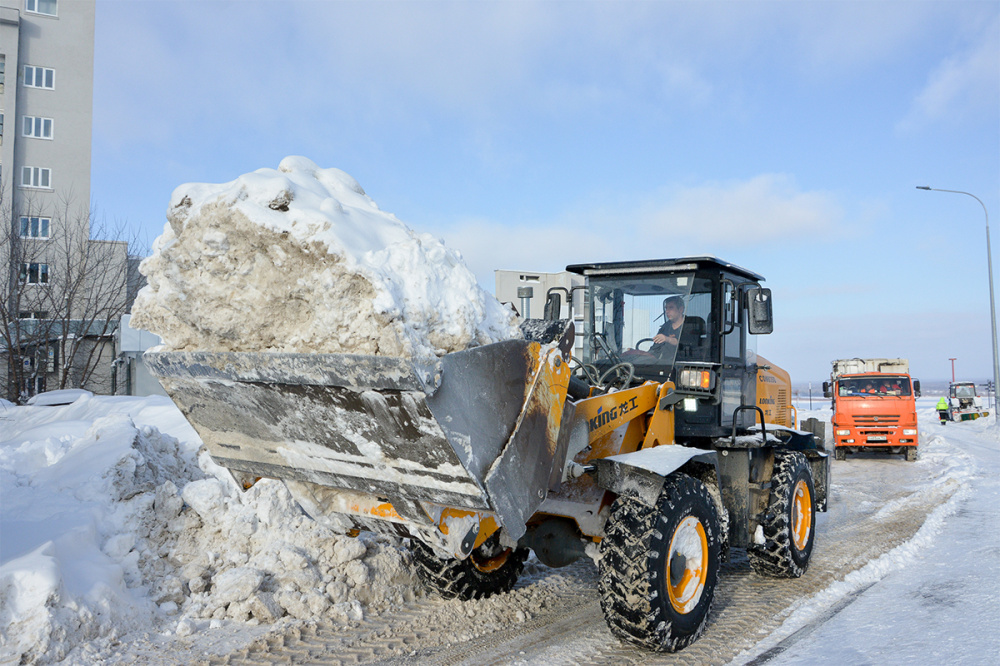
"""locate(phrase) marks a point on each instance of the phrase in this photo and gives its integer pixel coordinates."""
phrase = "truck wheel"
(789, 526)
(490, 569)
(840, 453)
(659, 566)
(912, 454)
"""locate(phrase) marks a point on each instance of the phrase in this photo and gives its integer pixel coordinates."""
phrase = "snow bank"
(110, 528)
(300, 259)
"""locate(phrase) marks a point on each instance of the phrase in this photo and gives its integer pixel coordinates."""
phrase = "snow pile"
(300, 259)
(110, 528)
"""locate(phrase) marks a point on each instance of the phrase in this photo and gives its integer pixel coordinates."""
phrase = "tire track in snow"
(879, 505)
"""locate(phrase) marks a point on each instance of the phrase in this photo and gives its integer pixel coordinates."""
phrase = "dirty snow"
(300, 259)
(110, 527)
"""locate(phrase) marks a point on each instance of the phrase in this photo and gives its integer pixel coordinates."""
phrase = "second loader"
(658, 451)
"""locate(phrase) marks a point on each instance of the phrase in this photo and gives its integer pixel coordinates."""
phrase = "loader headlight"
(697, 379)
(909, 431)
(843, 432)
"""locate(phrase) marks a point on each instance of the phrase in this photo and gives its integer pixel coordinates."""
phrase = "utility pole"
(993, 311)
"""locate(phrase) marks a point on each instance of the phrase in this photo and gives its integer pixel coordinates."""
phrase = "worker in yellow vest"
(942, 410)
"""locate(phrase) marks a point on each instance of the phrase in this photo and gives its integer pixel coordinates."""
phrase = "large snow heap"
(300, 259)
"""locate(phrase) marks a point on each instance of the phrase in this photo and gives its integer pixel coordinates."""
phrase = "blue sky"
(786, 137)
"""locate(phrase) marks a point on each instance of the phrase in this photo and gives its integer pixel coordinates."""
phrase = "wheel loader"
(666, 445)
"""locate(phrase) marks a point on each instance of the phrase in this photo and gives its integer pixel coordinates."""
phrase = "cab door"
(739, 385)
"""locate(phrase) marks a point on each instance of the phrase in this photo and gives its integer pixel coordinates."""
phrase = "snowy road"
(905, 570)
(887, 518)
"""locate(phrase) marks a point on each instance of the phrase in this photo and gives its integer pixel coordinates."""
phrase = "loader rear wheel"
(490, 569)
(659, 566)
(789, 525)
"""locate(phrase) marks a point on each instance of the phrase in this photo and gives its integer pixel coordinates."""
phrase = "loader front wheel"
(789, 524)
(490, 569)
(659, 566)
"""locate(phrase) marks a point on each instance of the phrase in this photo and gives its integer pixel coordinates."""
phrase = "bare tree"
(67, 287)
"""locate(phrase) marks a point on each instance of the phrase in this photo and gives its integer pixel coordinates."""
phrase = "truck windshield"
(882, 385)
(963, 391)
(648, 321)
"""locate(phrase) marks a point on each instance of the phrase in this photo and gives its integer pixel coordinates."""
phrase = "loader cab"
(691, 321)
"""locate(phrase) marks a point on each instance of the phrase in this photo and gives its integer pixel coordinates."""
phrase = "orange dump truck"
(873, 406)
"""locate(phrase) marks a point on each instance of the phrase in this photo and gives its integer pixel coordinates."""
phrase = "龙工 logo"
(605, 417)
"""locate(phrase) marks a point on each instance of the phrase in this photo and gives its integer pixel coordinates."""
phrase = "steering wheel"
(641, 341)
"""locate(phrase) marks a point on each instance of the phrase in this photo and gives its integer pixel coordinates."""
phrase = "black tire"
(490, 569)
(840, 453)
(650, 595)
(789, 526)
(912, 454)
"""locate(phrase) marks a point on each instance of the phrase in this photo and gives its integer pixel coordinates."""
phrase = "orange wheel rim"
(801, 515)
(487, 564)
(687, 565)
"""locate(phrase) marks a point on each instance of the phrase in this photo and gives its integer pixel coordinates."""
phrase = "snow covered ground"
(114, 531)
(931, 600)
(112, 524)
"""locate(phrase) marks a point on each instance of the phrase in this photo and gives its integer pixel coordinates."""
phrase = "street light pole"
(953, 368)
(989, 264)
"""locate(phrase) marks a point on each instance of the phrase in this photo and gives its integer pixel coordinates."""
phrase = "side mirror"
(759, 308)
(827, 393)
(916, 388)
(553, 306)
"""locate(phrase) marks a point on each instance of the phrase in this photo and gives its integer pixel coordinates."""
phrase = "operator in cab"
(679, 334)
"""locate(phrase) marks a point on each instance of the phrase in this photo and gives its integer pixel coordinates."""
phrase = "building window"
(36, 128)
(35, 227)
(33, 314)
(36, 177)
(34, 273)
(39, 77)
(47, 7)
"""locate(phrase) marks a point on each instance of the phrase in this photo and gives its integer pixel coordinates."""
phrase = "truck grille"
(887, 419)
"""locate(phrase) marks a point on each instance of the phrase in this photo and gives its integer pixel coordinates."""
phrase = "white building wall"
(510, 282)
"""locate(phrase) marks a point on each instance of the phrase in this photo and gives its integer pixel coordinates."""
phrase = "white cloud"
(761, 209)
(962, 84)
(704, 219)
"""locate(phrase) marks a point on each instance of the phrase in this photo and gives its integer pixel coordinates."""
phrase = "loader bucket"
(477, 431)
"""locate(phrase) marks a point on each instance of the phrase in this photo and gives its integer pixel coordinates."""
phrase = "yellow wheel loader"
(668, 443)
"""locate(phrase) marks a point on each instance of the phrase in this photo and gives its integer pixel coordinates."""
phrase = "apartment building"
(47, 83)
(63, 293)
